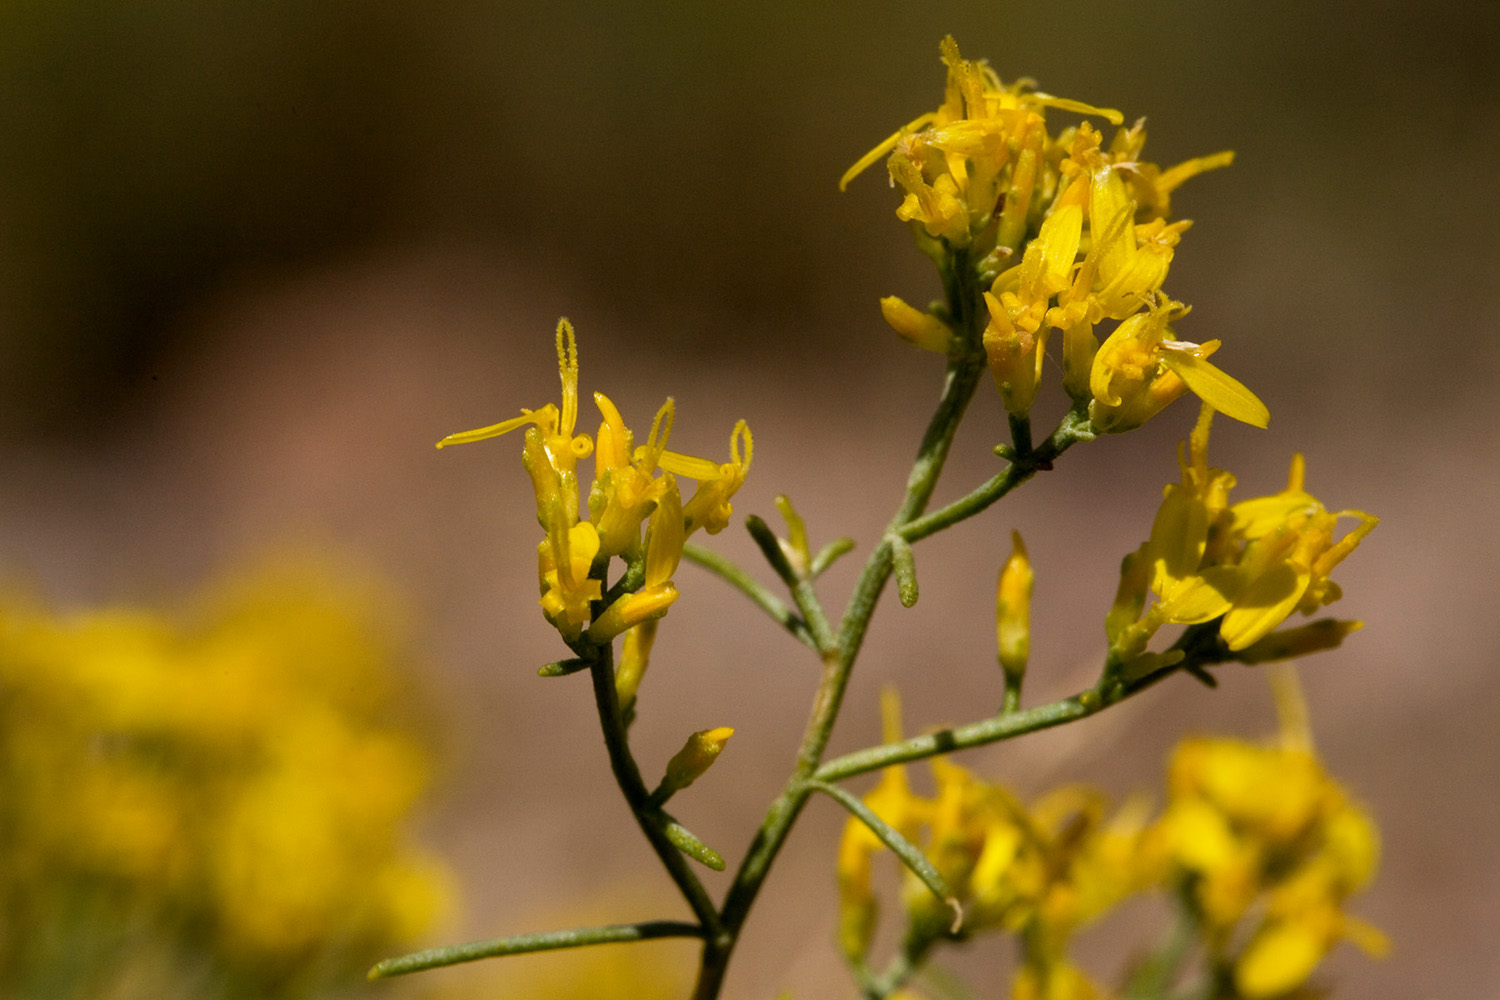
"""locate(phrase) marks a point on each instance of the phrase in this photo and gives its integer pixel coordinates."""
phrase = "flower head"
(1252, 563)
(633, 486)
(1083, 227)
(1269, 849)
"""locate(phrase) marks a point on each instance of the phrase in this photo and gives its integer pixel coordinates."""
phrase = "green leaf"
(910, 855)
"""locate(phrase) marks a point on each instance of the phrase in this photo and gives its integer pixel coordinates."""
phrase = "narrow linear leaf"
(770, 547)
(763, 598)
(577, 937)
(829, 554)
(687, 842)
(563, 668)
(904, 563)
(911, 856)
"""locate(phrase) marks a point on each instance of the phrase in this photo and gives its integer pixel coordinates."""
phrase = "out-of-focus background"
(256, 258)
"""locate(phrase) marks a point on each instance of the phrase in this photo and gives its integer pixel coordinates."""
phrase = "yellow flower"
(982, 174)
(664, 544)
(564, 559)
(971, 169)
(1271, 849)
(1139, 370)
(696, 756)
(709, 507)
(631, 484)
(1253, 563)
(625, 486)
(237, 790)
(917, 328)
(556, 423)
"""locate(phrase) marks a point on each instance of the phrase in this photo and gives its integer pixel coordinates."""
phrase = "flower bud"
(917, 328)
(1013, 610)
(696, 756)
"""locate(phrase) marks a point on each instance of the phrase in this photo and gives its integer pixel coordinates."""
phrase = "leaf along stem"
(909, 854)
(736, 577)
(455, 954)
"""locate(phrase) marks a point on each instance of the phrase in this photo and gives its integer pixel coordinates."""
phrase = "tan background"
(256, 258)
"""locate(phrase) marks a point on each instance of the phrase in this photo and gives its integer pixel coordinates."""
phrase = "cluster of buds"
(634, 487)
(1249, 564)
(1065, 233)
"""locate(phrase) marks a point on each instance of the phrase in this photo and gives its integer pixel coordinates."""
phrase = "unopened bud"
(696, 756)
(1013, 610)
(917, 328)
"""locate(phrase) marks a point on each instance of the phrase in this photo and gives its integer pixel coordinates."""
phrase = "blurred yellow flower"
(229, 788)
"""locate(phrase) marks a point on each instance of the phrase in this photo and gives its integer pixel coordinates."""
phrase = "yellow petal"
(1263, 604)
(1201, 598)
(541, 416)
(1216, 388)
(864, 163)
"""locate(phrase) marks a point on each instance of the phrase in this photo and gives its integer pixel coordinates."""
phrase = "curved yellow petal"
(1216, 387)
(1263, 604)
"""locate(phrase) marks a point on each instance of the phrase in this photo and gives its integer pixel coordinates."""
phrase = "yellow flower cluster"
(1041, 872)
(1258, 842)
(1252, 564)
(1066, 233)
(231, 793)
(633, 485)
(1269, 849)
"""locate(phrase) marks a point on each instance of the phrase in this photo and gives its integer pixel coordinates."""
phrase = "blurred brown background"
(256, 258)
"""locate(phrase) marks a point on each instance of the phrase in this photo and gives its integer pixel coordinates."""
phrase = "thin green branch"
(804, 593)
(959, 385)
(742, 581)
(974, 734)
(1000, 727)
(1072, 429)
(578, 937)
(627, 774)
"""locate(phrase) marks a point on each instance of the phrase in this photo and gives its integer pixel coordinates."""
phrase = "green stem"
(962, 379)
(1011, 700)
(435, 958)
(908, 853)
(651, 819)
(991, 730)
(1073, 429)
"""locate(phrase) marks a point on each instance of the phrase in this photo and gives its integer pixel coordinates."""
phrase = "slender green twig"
(1000, 727)
(1010, 701)
(974, 734)
(628, 776)
(1073, 429)
(828, 554)
(804, 593)
(962, 379)
(455, 954)
(742, 581)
